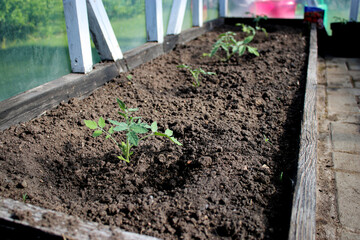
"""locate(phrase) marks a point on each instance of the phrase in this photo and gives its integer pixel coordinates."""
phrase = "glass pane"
(127, 18)
(271, 8)
(187, 23)
(34, 47)
(166, 4)
(211, 10)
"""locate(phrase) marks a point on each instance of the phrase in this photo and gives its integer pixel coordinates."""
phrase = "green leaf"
(115, 122)
(248, 39)
(111, 130)
(253, 51)
(97, 133)
(154, 127)
(168, 132)
(121, 127)
(107, 136)
(133, 138)
(90, 124)
(133, 109)
(242, 50)
(122, 114)
(175, 141)
(101, 122)
(121, 104)
(138, 128)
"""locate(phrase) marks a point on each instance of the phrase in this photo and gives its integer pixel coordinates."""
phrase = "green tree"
(21, 18)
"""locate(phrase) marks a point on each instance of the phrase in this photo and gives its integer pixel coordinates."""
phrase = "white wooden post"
(154, 21)
(197, 14)
(223, 8)
(77, 29)
(354, 10)
(101, 31)
(176, 17)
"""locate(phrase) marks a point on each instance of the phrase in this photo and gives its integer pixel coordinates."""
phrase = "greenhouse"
(179, 119)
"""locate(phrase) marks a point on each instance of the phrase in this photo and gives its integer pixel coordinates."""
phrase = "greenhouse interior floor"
(338, 168)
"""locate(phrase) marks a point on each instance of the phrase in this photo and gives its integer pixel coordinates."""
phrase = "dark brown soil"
(226, 182)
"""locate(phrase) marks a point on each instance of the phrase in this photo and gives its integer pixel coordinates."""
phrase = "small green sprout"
(196, 72)
(267, 140)
(228, 43)
(132, 128)
(24, 197)
(129, 77)
(257, 19)
(281, 176)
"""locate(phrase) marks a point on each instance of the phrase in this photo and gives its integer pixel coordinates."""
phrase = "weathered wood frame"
(303, 222)
(77, 28)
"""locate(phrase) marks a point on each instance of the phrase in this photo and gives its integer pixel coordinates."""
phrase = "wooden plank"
(78, 35)
(354, 10)
(142, 54)
(101, 31)
(197, 13)
(154, 21)
(14, 214)
(302, 225)
(176, 17)
(223, 8)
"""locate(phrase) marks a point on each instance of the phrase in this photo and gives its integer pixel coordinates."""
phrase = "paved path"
(338, 107)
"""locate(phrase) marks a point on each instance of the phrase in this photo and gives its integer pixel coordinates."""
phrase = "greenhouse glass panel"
(187, 23)
(166, 5)
(34, 47)
(210, 10)
(272, 8)
(128, 21)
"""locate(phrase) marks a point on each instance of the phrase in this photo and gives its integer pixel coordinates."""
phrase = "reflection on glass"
(33, 47)
(127, 18)
(210, 10)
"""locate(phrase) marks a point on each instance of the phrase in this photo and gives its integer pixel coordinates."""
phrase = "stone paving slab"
(346, 118)
(348, 189)
(353, 64)
(347, 162)
(339, 81)
(342, 101)
(345, 235)
(355, 75)
(345, 137)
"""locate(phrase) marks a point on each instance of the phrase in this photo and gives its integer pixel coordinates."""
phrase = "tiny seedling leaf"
(133, 138)
(133, 109)
(97, 133)
(138, 128)
(175, 141)
(121, 104)
(154, 127)
(168, 132)
(121, 127)
(253, 50)
(101, 122)
(90, 124)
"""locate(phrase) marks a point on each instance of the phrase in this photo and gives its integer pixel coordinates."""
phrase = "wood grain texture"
(302, 225)
(15, 215)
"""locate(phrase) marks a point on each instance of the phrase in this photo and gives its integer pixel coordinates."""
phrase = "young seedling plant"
(132, 126)
(196, 72)
(257, 19)
(228, 43)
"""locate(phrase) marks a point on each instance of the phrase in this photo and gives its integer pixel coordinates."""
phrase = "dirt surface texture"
(231, 179)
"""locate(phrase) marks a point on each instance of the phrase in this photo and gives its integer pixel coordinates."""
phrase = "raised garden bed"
(232, 178)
